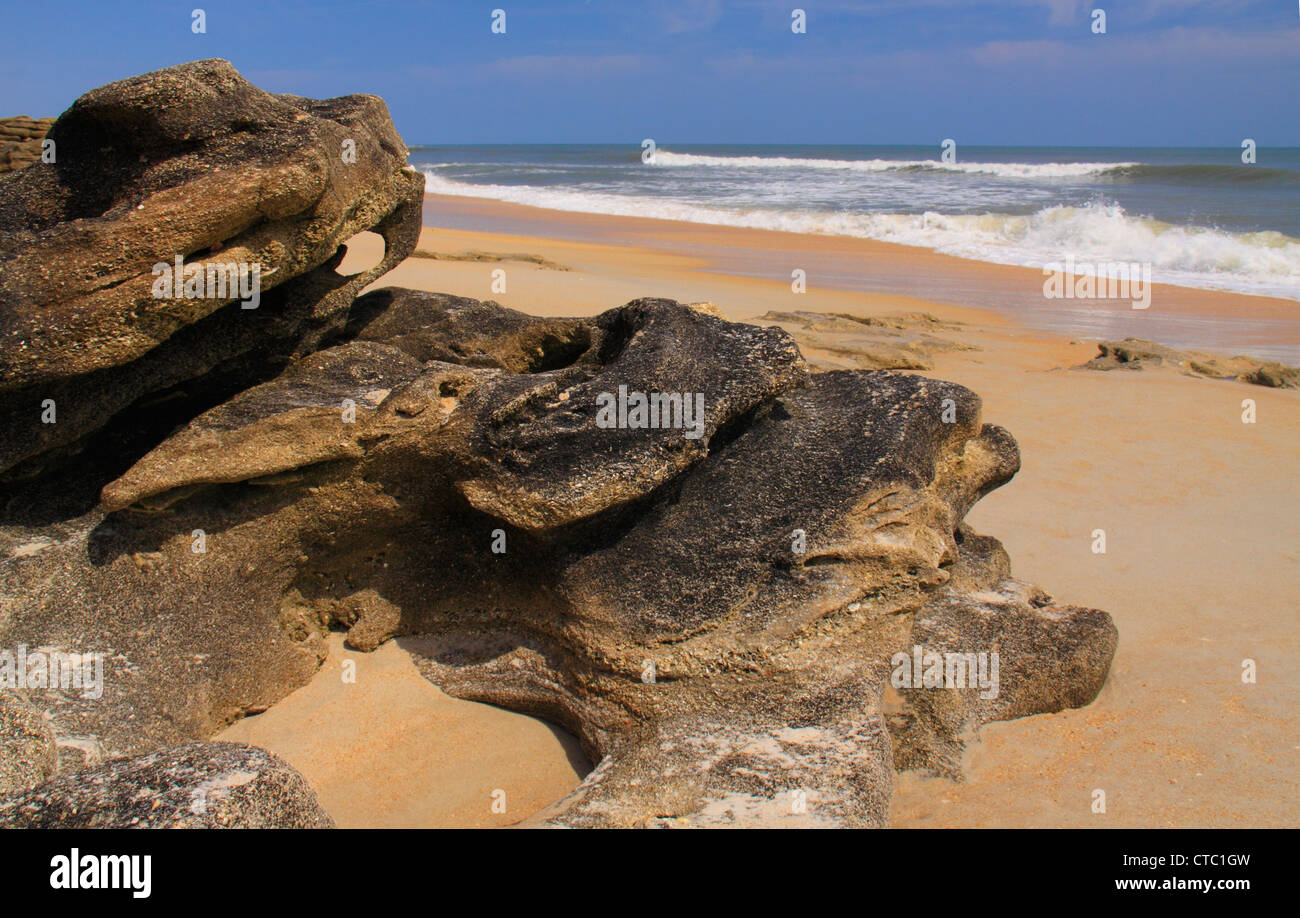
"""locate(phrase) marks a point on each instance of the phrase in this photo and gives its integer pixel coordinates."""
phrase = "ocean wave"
(1188, 173)
(669, 159)
(1209, 175)
(1263, 263)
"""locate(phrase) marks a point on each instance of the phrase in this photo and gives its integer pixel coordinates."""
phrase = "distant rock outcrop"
(20, 141)
(894, 342)
(1137, 354)
(733, 579)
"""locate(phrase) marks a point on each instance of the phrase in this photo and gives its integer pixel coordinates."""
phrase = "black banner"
(916, 868)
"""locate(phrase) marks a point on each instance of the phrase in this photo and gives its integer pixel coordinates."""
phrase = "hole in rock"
(362, 252)
(557, 350)
(391, 750)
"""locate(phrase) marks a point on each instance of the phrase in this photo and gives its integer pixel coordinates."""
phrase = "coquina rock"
(27, 752)
(1137, 354)
(843, 341)
(746, 587)
(194, 786)
(1050, 656)
(718, 618)
(195, 164)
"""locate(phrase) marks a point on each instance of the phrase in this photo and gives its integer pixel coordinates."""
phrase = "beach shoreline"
(1214, 321)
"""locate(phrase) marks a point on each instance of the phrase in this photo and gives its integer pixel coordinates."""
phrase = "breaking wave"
(1262, 263)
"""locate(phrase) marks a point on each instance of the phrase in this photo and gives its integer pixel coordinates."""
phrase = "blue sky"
(1167, 73)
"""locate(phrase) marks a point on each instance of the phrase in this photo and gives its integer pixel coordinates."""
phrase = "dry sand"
(389, 750)
(1202, 520)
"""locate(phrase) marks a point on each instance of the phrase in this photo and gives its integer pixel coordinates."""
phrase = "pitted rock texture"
(1050, 657)
(653, 526)
(191, 162)
(716, 619)
(193, 786)
(27, 752)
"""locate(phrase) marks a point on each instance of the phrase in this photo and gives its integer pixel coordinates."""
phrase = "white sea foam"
(667, 158)
(1265, 263)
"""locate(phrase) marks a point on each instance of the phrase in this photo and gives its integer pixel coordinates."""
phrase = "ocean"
(1198, 217)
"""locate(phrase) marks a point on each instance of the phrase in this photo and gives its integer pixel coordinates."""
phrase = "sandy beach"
(1199, 509)
(702, 414)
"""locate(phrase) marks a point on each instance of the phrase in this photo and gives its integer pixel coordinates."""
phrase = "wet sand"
(1226, 323)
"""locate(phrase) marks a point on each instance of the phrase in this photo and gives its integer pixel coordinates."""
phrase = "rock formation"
(27, 751)
(194, 786)
(1137, 354)
(653, 526)
(190, 163)
(843, 341)
(20, 141)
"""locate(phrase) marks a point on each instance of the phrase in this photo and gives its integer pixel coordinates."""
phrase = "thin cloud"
(563, 66)
(688, 16)
(1174, 46)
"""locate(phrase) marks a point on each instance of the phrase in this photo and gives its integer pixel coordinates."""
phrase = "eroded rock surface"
(27, 752)
(894, 342)
(716, 618)
(1137, 354)
(652, 526)
(191, 162)
(193, 786)
(1050, 657)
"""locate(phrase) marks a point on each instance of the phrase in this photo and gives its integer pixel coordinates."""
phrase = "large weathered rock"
(652, 526)
(769, 664)
(716, 618)
(196, 163)
(533, 455)
(194, 786)
(259, 509)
